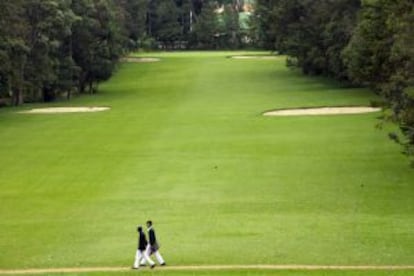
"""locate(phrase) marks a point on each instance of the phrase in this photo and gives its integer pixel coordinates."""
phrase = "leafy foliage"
(381, 56)
(312, 32)
(50, 48)
(368, 43)
(206, 28)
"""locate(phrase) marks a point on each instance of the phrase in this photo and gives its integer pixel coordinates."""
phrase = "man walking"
(153, 246)
(142, 254)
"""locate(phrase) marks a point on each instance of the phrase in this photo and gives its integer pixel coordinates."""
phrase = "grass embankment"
(185, 145)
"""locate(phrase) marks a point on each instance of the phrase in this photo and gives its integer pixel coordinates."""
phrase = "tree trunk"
(69, 94)
(82, 83)
(17, 98)
(91, 87)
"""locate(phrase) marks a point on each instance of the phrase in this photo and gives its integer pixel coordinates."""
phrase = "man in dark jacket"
(141, 254)
(153, 246)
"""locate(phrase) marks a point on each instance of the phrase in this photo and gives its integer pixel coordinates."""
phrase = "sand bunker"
(55, 110)
(140, 59)
(322, 111)
(255, 57)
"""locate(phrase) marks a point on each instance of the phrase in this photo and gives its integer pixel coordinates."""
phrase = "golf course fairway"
(185, 144)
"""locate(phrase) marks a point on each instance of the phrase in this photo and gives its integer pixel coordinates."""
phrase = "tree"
(13, 49)
(231, 25)
(343, 17)
(263, 27)
(95, 41)
(186, 16)
(67, 70)
(206, 28)
(380, 55)
(50, 25)
(368, 43)
(132, 15)
(47, 47)
(312, 33)
(166, 28)
(367, 54)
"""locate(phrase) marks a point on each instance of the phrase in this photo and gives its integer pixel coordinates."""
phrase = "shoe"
(134, 267)
(163, 264)
(152, 266)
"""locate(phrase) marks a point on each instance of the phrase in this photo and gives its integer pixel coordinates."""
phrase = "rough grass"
(186, 146)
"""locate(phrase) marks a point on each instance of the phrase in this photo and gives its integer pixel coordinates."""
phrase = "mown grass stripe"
(214, 267)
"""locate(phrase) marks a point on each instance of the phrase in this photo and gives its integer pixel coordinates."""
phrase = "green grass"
(185, 145)
(249, 273)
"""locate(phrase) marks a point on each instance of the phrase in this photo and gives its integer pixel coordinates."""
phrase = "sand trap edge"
(318, 111)
(255, 57)
(66, 110)
(140, 59)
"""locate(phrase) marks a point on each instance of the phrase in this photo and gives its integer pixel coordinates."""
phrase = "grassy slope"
(186, 146)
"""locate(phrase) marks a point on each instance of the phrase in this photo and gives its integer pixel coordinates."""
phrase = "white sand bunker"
(255, 57)
(322, 111)
(56, 110)
(140, 59)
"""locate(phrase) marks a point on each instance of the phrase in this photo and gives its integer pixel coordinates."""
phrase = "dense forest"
(55, 48)
(368, 43)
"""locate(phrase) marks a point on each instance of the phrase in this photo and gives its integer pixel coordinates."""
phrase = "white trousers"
(141, 257)
(156, 254)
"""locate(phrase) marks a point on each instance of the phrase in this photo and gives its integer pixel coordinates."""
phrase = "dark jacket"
(142, 241)
(153, 240)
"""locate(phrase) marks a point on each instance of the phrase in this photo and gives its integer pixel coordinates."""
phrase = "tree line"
(201, 24)
(367, 43)
(50, 48)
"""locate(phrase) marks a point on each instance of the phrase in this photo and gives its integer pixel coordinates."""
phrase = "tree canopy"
(365, 43)
(50, 48)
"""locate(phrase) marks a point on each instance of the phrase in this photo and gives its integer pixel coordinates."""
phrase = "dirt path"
(214, 267)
